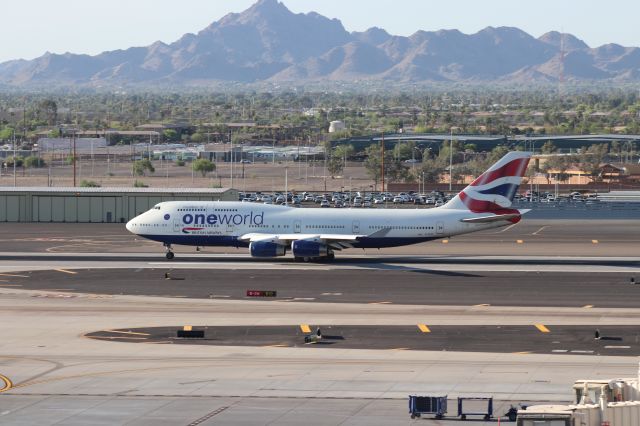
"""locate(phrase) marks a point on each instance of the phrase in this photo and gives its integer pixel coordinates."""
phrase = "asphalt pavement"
(404, 285)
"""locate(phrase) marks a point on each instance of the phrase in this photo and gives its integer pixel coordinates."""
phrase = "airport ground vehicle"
(435, 405)
(473, 406)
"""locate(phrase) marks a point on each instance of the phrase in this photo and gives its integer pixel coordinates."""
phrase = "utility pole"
(14, 158)
(231, 142)
(74, 158)
(451, 160)
(382, 162)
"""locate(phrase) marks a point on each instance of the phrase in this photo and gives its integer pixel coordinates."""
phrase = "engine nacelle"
(266, 249)
(306, 248)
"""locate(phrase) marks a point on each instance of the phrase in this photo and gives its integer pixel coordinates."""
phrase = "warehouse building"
(95, 205)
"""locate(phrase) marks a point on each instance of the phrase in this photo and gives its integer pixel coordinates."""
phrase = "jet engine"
(306, 248)
(266, 249)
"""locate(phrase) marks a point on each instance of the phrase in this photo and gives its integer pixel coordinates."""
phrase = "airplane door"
(177, 225)
(440, 228)
(356, 227)
(297, 227)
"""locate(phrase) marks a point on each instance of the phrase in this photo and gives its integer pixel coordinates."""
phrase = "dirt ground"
(246, 177)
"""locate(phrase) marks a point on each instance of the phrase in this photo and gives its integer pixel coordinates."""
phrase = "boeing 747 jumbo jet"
(313, 234)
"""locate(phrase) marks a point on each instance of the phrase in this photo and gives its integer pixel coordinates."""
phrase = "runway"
(90, 316)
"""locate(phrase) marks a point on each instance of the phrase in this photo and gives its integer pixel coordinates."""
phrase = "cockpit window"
(157, 207)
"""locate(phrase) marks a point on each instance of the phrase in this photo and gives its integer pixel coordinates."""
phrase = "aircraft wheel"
(298, 259)
(332, 256)
(170, 255)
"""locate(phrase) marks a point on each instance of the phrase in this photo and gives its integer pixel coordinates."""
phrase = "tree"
(49, 108)
(431, 170)
(140, 167)
(343, 152)
(171, 135)
(6, 134)
(445, 149)
(394, 170)
(404, 150)
(372, 162)
(557, 165)
(203, 166)
(10, 160)
(34, 162)
(335, 166)
(548, 148)
(591, 158)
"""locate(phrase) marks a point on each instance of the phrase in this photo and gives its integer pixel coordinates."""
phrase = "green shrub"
(34, 162)
(89, 184)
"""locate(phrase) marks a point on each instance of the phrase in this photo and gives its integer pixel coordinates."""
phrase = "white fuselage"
(206, 223)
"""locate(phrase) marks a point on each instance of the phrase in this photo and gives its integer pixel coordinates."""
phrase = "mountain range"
(269, 43)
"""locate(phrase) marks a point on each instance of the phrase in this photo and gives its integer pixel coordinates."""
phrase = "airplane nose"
(130, 226)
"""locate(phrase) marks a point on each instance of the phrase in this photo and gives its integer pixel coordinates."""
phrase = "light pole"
(450, 159)
(14, 158)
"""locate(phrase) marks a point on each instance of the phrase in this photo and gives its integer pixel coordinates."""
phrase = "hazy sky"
(31, 27)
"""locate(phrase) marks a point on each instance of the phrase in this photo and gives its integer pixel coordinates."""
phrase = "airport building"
(94, 205)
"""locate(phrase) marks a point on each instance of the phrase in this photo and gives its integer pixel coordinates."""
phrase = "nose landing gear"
(169, 254)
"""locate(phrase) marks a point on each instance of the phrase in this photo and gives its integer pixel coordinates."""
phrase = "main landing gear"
(331, 256)
(169, 254)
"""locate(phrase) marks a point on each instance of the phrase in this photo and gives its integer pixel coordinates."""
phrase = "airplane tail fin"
(493, 191)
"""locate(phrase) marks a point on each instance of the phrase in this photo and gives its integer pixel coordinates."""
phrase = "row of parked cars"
(548, 197)
(346, 199)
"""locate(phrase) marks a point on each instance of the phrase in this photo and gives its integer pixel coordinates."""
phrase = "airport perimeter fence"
(582, 210)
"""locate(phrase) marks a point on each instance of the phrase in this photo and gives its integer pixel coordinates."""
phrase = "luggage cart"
(436, 405)
(470, 406)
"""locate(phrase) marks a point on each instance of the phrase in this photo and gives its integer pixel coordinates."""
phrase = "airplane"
(316, 234)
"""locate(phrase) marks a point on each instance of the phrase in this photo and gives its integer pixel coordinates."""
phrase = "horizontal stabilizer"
(494, 218)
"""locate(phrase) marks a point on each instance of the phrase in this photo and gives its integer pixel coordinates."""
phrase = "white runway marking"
(540, 230)
(506, 229)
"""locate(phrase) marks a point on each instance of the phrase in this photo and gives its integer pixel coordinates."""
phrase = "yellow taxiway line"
(305, 328)
(542, 328)
(424, 328)
(7, 383)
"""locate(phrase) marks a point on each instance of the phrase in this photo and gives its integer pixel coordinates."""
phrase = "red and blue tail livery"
(494, 190)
